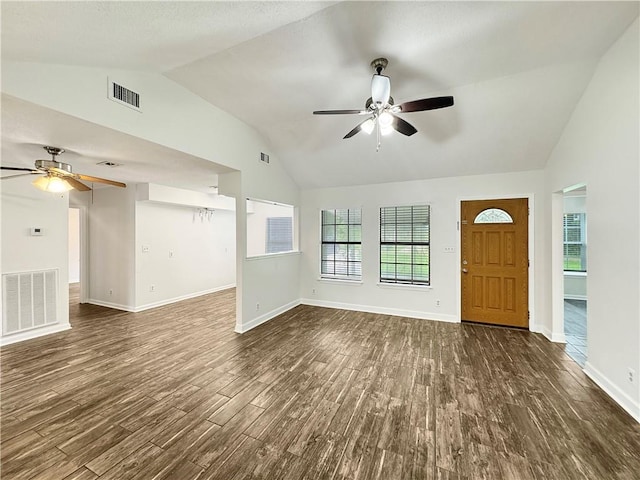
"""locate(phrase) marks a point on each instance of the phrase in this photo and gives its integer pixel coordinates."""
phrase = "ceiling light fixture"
(51, 183)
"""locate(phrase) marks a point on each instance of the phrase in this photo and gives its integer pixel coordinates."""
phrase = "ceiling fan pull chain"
(378, 135)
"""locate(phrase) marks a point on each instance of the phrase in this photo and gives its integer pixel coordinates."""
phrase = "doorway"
(574, 262)
(495, 261)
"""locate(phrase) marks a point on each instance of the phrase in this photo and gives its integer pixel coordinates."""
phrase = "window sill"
(568, 273)
(405, 286)
(342, 281)
(271, 255)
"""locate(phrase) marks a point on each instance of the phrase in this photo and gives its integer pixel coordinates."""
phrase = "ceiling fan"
(58, 176)
(382, 112)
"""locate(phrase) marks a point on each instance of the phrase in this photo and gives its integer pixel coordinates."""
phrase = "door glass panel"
(493, 215)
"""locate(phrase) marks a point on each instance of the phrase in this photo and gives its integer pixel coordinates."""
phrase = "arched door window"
(493, 215)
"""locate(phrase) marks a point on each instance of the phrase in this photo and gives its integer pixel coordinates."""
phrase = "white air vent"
(264, 157)
(29, 300)
(123, 95)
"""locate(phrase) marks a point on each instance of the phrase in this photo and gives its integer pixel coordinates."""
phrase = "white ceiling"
(516, 69)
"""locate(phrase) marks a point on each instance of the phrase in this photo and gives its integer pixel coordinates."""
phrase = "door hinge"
(528, 263)
(528, 315)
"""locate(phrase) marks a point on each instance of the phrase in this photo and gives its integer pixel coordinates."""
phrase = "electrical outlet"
(145, 248)
(152, 288)
(631, 375)
(437, 303)
(257, 306)
(449, 249)
(170, 253)
(313, 291)
(110, 292)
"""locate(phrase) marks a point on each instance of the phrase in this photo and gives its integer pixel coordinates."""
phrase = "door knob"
(464, 270)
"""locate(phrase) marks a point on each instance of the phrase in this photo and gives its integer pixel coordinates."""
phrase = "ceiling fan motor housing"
(46, 165)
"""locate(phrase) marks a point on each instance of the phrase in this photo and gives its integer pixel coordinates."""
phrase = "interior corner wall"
(441, 300)
(176, 118)
(600, 147)
(111, 248)
(24, 207)
(182, 254)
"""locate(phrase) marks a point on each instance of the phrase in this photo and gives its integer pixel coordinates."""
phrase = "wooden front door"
(495, 261)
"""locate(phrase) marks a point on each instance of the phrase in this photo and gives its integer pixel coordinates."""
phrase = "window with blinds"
(279, 234)
(404, 245)
(341, 255)
(575, 242)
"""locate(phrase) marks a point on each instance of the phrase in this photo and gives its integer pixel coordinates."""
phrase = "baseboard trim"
(115, 306)
(621, 398)
(243, 328)
(161, 303)
(168, 301)
(575, 297)
(555, 337)
(398, 312)
(33, 333)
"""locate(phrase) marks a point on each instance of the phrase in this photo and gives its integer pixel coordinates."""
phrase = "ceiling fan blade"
(340, 112)
(356, 129)
(426, 104)
(20, 169)
(89, 178)
(77, 184)
(403, 126)
(23, 174)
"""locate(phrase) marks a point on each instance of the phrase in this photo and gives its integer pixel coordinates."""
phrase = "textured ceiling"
(516, 69)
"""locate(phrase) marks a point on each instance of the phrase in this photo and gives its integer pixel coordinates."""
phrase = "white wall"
(444, 196)
(24, 207)
(600, 148)
(112, 247)
(174, 117)
(188, 255)
(74, 245)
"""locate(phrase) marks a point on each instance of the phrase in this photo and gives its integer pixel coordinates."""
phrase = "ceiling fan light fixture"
(51, 183)
(368, 126)
(386, 130)
(385, 119)
(380, 90)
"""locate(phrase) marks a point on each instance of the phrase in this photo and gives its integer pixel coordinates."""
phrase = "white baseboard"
(115, 306)
(160, 303)
(242, 328)
(441, 317)
(631, 406)
(33, 333)
(182, 297)
(555, 337)
(575, 297)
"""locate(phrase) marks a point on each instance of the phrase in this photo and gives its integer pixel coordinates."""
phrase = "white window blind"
(341, 255)
(404, 245)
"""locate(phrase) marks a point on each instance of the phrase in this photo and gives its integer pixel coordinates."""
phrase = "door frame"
(533, 325)
(84, 250)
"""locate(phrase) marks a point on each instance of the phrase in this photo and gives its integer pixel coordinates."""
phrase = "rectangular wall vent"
(264, 157)
(123, 95)
(30, 300)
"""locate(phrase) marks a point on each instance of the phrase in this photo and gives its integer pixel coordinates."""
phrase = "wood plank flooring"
(174, 393)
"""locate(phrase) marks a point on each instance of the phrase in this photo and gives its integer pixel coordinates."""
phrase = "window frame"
(333, 276)
(399, 281)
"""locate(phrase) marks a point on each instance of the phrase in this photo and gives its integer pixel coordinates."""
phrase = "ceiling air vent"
(124, 96)
(264, 157)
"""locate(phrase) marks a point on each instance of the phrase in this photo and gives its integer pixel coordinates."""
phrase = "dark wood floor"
(174, 393)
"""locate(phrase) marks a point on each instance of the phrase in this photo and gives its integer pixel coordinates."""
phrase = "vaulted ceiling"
(516, 70)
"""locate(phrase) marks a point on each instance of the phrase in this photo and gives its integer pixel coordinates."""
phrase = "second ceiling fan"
(382, 112)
